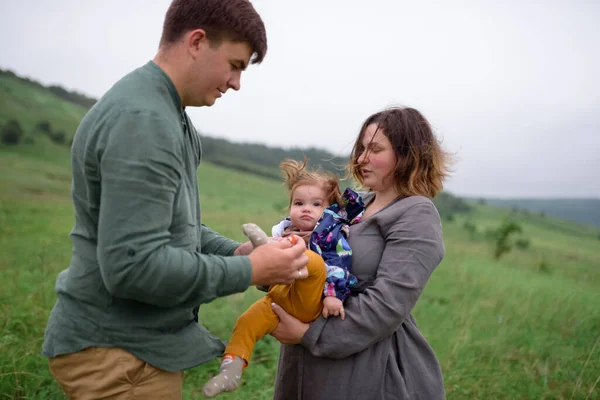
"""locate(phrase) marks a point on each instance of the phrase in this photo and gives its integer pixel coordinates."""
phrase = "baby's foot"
(228, 378)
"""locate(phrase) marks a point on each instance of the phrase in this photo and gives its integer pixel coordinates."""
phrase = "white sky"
(512, 88)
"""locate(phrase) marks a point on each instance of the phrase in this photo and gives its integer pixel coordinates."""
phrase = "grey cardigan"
(377, 352)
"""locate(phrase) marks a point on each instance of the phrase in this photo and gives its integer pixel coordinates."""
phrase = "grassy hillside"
(30, 105)
(33, 105)
(526, 326)
(585, 211)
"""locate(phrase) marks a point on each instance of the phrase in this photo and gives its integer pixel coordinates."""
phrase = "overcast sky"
(512, 88)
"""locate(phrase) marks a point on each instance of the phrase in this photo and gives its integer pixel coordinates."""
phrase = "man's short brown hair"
(235, 20)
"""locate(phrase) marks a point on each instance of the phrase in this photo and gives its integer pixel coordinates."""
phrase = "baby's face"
(308, 203)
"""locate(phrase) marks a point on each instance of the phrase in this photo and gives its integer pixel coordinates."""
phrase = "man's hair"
(421, 163)
(234, 20)
(298, 174)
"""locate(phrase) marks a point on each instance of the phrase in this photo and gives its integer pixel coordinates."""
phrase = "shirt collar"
(156, 70)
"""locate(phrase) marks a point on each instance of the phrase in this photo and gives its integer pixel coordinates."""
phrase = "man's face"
(216, 69)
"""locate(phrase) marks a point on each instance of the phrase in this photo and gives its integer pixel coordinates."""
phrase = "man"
(125, 321)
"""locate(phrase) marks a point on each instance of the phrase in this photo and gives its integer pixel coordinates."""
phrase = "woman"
(377, 352)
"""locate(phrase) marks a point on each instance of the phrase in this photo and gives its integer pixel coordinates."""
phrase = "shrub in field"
(544, 267)
(11, 132)
(44, 127)
(504, 231)
(59, 137)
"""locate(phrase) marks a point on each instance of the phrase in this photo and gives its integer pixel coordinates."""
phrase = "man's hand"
(294, 239)
(244, 249)
(279, 263)
(333, 306)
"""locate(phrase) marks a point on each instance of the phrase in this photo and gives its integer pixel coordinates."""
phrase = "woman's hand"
(290, 330)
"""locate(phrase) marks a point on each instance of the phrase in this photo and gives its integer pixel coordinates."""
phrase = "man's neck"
(166, 61)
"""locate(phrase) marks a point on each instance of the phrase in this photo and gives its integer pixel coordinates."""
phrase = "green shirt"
(142, 259)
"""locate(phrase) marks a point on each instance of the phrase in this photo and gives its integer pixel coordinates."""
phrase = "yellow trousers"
(302, 299)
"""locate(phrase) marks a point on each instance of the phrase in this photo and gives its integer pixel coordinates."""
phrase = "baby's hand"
(333, 306)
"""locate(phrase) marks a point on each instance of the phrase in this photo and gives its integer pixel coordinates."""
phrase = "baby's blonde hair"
(297, 174)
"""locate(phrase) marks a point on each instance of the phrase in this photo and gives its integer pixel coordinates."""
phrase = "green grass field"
(524, 327)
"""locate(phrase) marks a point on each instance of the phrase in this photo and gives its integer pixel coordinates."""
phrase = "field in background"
(524, 327)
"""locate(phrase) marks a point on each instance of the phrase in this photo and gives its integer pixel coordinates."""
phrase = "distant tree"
(11, 132)
(73, 97)
(262, 160)
(7, 72)
(504, 231)
(447, 204)
(482, 201)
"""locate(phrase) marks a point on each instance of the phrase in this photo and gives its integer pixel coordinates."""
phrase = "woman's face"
(378, 160)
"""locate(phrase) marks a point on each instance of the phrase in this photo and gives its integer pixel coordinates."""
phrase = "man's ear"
(196, 42)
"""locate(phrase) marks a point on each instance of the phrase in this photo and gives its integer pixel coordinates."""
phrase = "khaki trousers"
(111, 373)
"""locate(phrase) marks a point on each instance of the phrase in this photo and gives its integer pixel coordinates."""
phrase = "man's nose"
(236, 82)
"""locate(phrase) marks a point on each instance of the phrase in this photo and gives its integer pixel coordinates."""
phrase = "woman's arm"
(413, 249)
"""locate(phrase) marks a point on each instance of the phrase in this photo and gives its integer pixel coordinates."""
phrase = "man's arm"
(141, 166)
(214, 243)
